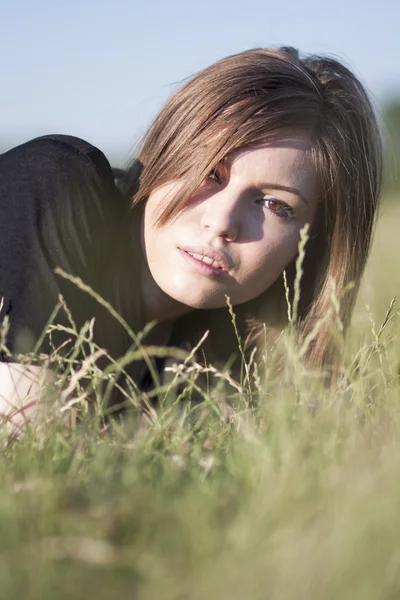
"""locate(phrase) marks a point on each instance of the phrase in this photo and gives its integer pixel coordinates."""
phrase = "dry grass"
(298, 497)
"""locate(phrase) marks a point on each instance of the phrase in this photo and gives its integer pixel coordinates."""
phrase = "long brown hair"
(261, 95)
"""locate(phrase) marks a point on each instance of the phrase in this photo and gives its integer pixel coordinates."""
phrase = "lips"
(207, 260)
(209, 256)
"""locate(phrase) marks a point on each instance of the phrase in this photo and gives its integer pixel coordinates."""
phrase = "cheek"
(150, 214)
(151, 233)
(159, 245)
(271, 255)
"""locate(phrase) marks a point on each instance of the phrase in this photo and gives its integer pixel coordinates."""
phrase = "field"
(297, 498)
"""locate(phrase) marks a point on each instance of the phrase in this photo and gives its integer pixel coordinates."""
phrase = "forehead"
(289, 149)
(286, 161)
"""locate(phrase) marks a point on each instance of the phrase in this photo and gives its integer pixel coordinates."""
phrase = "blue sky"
(101, 70)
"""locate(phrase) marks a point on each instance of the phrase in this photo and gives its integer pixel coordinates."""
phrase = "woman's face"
(238, 232)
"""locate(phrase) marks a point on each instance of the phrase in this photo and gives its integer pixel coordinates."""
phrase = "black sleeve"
(58, 207)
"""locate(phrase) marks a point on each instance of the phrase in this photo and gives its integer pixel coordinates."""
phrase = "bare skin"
(21, 389)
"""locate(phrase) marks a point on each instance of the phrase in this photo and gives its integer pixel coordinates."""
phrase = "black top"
(59, 206)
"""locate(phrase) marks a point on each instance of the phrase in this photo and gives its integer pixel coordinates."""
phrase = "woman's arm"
(59, 207)
(23, 391)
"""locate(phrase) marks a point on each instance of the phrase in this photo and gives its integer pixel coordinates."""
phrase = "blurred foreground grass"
(382, 277)
(298, 499)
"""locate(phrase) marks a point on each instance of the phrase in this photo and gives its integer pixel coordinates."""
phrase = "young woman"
(237, 162)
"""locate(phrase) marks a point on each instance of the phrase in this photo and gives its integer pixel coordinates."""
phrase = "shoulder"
(55, 152)
(60, 182)
(68, 142)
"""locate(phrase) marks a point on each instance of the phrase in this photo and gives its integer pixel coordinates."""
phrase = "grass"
(298, 498)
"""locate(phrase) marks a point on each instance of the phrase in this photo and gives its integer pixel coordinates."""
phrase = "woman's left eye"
(279, 208)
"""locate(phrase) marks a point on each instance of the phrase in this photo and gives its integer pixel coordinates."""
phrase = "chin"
(198, 300)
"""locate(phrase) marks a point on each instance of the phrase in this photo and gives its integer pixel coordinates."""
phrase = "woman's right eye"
(214, 176)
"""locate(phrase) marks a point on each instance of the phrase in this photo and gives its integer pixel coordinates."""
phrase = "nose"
(221, 215)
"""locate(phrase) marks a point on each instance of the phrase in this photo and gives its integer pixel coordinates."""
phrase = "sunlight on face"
(239, 231)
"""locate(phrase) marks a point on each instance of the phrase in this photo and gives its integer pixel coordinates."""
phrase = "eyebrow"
(284, 188)
(226, 162)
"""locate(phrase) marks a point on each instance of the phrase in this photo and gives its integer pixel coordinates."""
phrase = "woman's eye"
(281, 209)
(214, 176)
